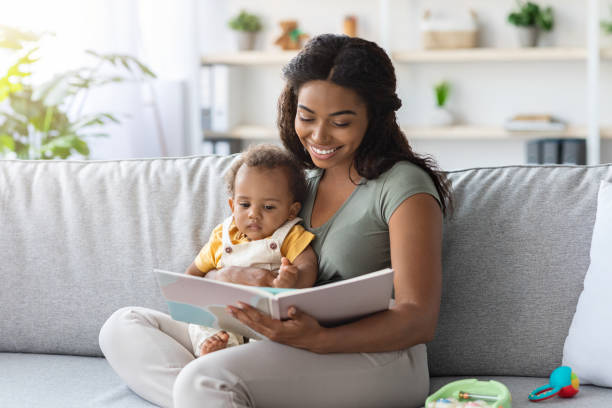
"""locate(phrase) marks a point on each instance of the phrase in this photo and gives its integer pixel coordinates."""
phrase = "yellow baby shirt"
(296, 241)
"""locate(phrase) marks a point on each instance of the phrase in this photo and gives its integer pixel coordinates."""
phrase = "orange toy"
(292, 37)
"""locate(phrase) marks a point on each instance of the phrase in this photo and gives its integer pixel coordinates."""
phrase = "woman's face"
(331, 122)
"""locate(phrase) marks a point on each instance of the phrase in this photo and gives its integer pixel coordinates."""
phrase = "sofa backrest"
(514, 259)
(78, 240)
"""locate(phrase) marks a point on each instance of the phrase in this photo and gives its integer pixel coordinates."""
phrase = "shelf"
(493, 55)
(424, 56)
(462, 132)
(246, 132)
(459, 132)
(250, 58)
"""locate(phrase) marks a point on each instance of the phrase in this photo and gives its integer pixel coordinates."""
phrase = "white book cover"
(203, 301)
(533, 125)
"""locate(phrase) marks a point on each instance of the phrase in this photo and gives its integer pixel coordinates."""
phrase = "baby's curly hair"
(269, 156)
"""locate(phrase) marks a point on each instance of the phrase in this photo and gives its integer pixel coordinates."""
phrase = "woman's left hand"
(300, 330)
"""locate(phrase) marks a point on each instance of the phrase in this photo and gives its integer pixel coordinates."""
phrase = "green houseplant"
(440, 115)
(246, 26)
(529, 19)
(45, 120)
(606, 25)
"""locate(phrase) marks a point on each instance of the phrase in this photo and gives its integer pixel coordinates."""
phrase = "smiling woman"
(371, 203)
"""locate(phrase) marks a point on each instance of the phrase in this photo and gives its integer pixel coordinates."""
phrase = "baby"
(266, 190)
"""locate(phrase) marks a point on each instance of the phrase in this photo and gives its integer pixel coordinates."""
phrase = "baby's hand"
(287, 275)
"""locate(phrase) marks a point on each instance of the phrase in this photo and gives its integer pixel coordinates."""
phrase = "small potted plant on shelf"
(606, 27)
(441, 116)
(246, 26)
(529, 19)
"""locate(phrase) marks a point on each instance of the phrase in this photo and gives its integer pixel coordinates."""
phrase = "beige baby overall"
(263, 253)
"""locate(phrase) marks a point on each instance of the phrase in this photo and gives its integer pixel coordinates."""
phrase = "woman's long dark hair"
(364, 67)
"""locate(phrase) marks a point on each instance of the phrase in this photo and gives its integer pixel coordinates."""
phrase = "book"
(551, 151)
(534, 123)
(533, 126)
(202, 301)
(573, 151)
(534, 152)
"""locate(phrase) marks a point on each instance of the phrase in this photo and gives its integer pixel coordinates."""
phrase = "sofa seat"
(62, 381)
(588, 396)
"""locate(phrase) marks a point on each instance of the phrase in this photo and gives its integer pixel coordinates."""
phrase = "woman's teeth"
(321, 151)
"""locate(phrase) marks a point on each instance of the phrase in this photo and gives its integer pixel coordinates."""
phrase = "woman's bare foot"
(214, 343)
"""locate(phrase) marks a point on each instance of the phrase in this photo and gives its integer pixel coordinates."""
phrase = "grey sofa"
(78, 240)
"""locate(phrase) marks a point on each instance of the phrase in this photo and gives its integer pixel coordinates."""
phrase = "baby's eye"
(269, 207)
(244, 205)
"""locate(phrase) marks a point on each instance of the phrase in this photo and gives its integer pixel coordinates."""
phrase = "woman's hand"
(300, 330)
(245, 276)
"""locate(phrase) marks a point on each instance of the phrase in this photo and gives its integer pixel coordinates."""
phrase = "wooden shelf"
(492, 55)
(246, 132)
(423, 56)
(463, 132)
(250, 58)
(459, 132)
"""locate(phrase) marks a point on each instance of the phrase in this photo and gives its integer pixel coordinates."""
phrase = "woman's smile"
(321, 152)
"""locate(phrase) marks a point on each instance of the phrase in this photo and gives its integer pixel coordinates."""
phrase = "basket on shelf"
(449, 31)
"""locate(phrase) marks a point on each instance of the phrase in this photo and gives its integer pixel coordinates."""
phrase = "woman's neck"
(341, 175)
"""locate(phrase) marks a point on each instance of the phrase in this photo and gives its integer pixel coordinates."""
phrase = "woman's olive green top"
(355, 240)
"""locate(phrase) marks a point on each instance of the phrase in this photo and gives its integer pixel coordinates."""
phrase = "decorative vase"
(527, 36)
(245, 40)
(441, 116)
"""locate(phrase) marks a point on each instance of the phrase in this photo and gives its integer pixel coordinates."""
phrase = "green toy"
(471, 393)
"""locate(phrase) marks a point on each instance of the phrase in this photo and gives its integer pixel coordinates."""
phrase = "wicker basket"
(444, 31)
(449, 39)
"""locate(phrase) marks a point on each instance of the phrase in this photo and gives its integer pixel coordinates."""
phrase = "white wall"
(483, 93)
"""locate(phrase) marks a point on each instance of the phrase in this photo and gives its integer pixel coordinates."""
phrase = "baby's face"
(262, 201)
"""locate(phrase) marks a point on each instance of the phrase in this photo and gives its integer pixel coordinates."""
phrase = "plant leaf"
(7, 143)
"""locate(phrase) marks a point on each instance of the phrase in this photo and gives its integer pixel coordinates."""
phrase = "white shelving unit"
(469, 55)
(590, 55)
(249, 58)
(458, 132)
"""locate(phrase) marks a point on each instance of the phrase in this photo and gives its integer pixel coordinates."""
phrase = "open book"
(202, 301)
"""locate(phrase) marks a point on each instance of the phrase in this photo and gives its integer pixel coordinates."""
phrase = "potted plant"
(529, 19)
(441, 116)
(606, 27)
(45, 120)
(246, 26)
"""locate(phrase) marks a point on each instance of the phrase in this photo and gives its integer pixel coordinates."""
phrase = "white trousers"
(152, 353)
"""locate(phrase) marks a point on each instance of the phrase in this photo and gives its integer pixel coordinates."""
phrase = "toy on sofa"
(471, 393)
(563, 382)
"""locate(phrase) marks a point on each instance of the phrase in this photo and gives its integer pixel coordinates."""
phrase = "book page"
(343, 301)
(203, 301)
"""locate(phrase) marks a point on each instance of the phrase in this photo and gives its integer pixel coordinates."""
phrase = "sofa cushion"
(53, 381)
(79, 240)
(514, 258)
(588, 396)
(588, 346)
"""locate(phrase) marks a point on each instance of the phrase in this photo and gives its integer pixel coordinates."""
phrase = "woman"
(372, 203)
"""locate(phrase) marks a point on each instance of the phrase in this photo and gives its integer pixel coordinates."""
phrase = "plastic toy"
(471, 393)
(563, 382)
